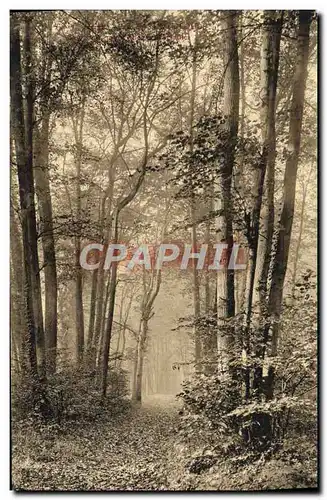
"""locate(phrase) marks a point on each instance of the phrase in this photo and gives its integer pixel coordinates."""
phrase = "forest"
(163, 250)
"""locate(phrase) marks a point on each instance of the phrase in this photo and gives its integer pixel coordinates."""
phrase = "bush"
(214, 454)
(68, 395)
(207, 418)
(267, 441)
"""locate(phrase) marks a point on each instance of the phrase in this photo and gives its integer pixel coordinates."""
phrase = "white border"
(4, 186)
(168, 4)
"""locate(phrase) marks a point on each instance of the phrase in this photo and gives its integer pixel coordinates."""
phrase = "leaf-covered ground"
(128, 453)
(141, 450)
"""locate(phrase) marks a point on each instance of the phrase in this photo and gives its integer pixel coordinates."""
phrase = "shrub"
(70, 394)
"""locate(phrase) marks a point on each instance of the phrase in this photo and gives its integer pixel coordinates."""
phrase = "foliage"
(119, 452)
(219, 426)
(70, 394)
(294, 466)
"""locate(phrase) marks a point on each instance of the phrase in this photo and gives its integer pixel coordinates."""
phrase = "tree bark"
(101, 301)
(17, 306)
(270, 59)
(42, 188)
(92, 309)
(195, 274)
(269, 77)
(210, 339)
(225, 276)
(286, 219)
(113, 278)
(301, 228)
(141, 345)
(23, 138)
(79, 308)
(149, 296)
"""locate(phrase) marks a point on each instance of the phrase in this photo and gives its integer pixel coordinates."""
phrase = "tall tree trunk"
(135, 361)
(106, 229)
(17, 306)
(269, 77)
(195, 274)
(210, 340)
(120, 324)
(196, 293)
(286, 219)
(124, 321)
(225, 276)
(271, 43)
(92, 309)
(42, 188)
(18, 325)
(79, 308)
(23, 138)
(299, 239)
(242, 79)
(141, 345)
(103, 321)
(121, 204)
(109, 323)
(149, 296)
(43, 192)
(240, 276)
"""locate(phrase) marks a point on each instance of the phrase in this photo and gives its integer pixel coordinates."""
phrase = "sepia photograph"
(163, 250)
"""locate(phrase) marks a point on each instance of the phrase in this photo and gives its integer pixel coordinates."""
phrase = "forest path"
(142, 445)
(128, 454)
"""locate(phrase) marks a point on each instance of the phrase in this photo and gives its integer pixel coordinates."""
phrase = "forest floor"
(140, 451)
(130, 453)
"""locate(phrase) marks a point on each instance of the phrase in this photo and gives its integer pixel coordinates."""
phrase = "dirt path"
(126, 455)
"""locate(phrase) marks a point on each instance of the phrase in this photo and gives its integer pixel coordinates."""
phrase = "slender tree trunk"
(299, 239)
(149, 296)
(122, 203)
(196, 284)
(210, 340)
(123, 329)
(286, 219)
(240, 276)
(17, 305)
(99, 347)
(196, 293)
(225, 276)
(242, 80)
(269, 74)
(112, 296)
(79, 308)
(135, 361)
(23, 138)
(120, 325)
(271, 44)
(92, 309)
(141, 345)
(101, 301)
(42, 188)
